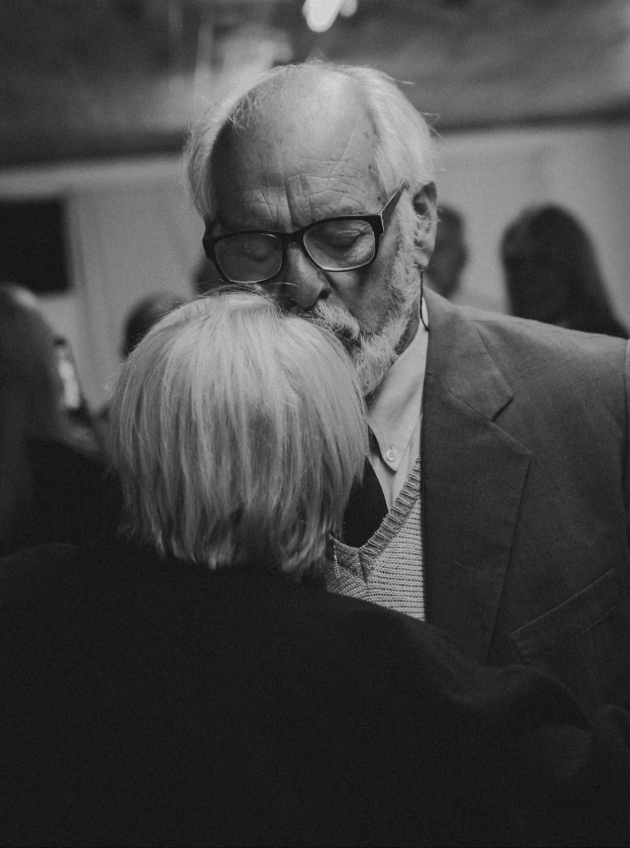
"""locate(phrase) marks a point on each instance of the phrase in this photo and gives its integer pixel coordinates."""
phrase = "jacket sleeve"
(517, 749)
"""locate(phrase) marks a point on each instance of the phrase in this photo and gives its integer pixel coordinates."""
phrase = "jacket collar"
(459, 359)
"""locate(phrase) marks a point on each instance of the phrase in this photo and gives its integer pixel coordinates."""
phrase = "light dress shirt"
(388, 569)
(395, 415)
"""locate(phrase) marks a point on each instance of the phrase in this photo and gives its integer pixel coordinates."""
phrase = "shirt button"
(391, 455)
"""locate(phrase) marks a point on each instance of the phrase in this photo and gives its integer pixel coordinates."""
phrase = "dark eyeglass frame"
(378, 222)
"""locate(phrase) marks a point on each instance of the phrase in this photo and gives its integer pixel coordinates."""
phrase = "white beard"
(374, 352)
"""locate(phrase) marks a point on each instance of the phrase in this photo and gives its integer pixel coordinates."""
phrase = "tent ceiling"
(117, 77)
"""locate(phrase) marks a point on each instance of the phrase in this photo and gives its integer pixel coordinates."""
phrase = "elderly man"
(498, 508)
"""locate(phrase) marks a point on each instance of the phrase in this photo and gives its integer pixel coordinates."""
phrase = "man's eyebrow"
(219, 221)
(212, 224)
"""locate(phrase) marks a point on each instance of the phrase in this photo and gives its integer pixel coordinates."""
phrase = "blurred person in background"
(450, 254)
(192, 686)
(53, 485)
(140, 318)
(78, 413)
(144, 315)
(552, 273)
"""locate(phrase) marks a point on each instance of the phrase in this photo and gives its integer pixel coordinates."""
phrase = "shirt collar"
(395, 409)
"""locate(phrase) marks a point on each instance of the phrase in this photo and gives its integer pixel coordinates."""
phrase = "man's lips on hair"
(335, 323)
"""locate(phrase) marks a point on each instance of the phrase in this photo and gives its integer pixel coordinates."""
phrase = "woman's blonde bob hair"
(237, 431)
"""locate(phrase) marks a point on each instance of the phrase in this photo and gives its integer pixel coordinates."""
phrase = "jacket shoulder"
(544, 337)
(543, 351)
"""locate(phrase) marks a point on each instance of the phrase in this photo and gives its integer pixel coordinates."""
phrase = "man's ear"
(425, 207)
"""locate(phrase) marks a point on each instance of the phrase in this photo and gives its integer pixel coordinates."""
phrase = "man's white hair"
(404, 149)
(237, 431)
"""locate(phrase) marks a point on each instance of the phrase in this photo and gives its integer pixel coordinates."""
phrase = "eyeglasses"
(344, 243)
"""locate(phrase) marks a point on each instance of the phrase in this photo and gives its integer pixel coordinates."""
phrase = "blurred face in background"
(449, 259)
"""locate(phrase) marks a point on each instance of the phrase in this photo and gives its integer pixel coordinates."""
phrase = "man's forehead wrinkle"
(323, 198)
(255, 208)
(361, 134)
(314, 197)
(259, 211)
(335, 199)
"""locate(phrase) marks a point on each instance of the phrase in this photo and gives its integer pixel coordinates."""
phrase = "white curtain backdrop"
(125, 243)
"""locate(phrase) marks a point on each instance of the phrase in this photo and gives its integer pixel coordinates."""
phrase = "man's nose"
(303, 283)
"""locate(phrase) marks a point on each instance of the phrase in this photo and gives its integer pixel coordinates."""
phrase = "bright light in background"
(320, 14)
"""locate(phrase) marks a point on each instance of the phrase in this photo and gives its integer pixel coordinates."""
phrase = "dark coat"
(526, 496)
(151, 702)
(74, 499)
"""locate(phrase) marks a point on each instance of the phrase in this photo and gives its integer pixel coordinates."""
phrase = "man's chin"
(371, 376)
(372, 359)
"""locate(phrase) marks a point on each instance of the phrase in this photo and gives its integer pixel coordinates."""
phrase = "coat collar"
(459, 359)
(473, 475)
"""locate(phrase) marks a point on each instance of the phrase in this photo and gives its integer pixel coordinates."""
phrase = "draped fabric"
(125, 244)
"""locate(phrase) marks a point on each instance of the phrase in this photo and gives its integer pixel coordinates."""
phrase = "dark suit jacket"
(151, 702)
(526, 496)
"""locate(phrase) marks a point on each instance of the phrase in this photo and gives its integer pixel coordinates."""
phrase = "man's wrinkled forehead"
(322, 128)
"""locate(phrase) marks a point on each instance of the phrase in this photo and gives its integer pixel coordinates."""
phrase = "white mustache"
(336, 319)
(339, 320)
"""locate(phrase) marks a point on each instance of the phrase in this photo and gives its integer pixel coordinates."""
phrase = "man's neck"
(409, 335)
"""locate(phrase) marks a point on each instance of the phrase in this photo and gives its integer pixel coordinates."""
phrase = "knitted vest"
(388, 568)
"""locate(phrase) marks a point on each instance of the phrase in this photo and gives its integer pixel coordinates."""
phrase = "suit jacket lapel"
(473, 475)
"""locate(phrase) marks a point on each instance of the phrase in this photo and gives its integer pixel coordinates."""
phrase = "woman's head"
(237, 431)
(551, 270)
(145, 314)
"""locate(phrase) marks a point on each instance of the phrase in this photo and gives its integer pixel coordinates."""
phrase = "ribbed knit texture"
(388, 568)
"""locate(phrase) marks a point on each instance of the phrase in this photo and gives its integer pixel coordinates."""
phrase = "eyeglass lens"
(340, 245)
(249, 257)
(332, 245)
